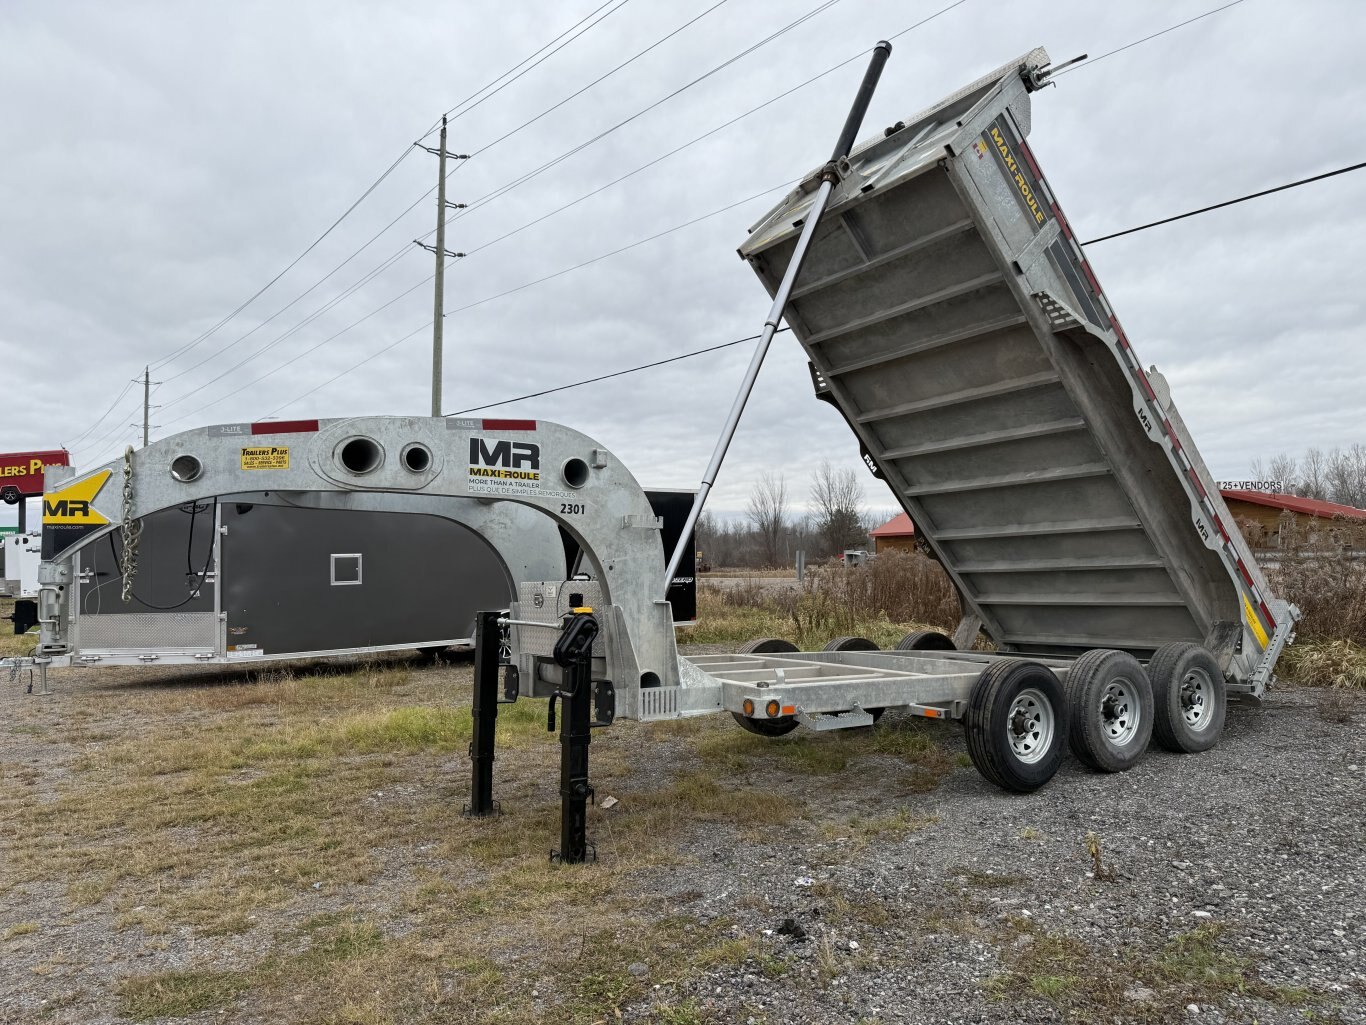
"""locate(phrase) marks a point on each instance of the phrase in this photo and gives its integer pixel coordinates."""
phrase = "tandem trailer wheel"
(783, 724)
(1189, 695)
(925, 640)
(1016, 724)
(1110, 705)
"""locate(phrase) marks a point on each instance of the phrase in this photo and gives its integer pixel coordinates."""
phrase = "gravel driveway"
(1258, 845)
(1229, 884)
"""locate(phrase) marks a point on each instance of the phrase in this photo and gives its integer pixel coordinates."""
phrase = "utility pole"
(146, 403)
(147, 406)
(439, 290)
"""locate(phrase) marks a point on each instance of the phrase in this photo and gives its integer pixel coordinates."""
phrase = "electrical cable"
(1136, 42)
(89, 430)
(504, 189)
(510, 291)
(725, 345)
(374, 185)
(292, 264)
(618, 373)
(409, 209)
(678, 149)
(305, 322)
(1228, 202)
(194, 590)
(494, 81)
(488, 198)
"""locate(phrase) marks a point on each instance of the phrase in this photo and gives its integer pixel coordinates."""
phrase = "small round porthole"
(186, 468)
(416, 458)
(575, 472)
(360, 455)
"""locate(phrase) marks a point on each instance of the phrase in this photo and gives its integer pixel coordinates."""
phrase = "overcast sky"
(162, 162)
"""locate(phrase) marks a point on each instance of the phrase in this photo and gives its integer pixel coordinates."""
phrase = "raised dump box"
(951, 316)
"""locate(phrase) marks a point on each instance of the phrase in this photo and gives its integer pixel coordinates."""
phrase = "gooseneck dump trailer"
(950, 315)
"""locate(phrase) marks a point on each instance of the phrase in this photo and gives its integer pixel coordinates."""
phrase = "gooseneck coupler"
(829, 177)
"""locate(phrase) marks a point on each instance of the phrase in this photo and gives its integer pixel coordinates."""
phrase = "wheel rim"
(1197, 699)
(1120, 712)
(1029, 725)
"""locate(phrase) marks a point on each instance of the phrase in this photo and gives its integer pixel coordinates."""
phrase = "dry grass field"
(193, 844)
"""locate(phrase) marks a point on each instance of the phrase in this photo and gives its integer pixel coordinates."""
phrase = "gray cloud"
(163, 162)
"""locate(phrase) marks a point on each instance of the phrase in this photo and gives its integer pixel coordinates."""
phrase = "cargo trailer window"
(345, 569)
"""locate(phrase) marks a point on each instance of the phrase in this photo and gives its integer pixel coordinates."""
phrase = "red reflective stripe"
(284, 427)
(509, 425)
(1266, 614)
(1062, 221)
(1090, 276)
(1029, 159)
(1242, 570)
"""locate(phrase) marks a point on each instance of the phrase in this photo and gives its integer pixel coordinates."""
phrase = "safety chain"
(130, 529)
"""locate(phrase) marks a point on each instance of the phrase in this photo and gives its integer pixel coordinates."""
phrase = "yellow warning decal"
(74, 505)
(1255, 623)
(266, 457)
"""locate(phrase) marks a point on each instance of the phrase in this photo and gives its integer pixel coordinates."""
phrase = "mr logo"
(511, 455)
(66, 508)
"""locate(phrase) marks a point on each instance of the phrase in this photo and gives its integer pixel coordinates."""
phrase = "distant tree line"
(1335, 476)
(773, 532)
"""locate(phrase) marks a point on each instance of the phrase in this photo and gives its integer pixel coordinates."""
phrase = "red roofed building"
(1263, 515)
(896, 535)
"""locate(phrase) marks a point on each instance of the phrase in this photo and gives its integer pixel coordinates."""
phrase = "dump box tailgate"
(953, 320)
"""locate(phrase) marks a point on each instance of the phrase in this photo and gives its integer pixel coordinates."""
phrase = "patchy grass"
(907, 739)
(1196, 966)
(20, 929)
(177, 994)
(1339, 664)
(324, 804)
(729, 616)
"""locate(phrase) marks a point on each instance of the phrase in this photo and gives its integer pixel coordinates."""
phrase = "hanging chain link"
(130, 529)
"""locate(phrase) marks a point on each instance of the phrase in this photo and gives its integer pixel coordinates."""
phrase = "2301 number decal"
(572, 508)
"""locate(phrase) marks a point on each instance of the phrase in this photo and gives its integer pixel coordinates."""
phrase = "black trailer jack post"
(574, 654)
(487, 650)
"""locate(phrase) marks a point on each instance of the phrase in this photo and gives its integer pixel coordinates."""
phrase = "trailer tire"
(1016, 724)
(851, 644)
(783, 724)
(10, 495)
(925, 640)
(1190, 697)
(856, 644)
(1110, 705)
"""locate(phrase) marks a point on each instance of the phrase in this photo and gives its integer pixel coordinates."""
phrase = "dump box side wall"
(953, 320)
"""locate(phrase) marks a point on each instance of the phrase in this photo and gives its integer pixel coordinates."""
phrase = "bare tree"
(768, 512)
(836, 495)
(1314, 475)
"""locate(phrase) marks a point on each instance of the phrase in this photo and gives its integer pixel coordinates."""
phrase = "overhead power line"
(788, 92)
(726, 345)
(618, 373)
(1227, 202)
(175, 354)
(1138, 42)
(465, 106)
(426, 194)
(504, 189)
(290, 266)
